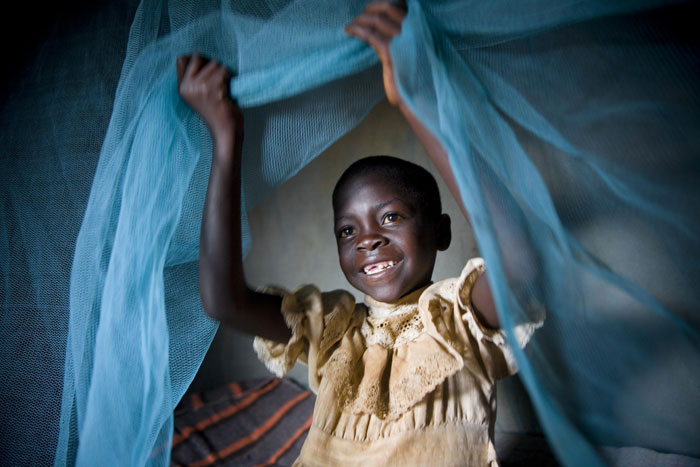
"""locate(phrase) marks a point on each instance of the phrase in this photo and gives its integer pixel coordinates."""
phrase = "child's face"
(386, 248)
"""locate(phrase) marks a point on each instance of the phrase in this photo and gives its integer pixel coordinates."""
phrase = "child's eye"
(391, 218)
(345, 232)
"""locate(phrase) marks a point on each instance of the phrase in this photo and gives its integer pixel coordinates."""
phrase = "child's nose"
(371, 242)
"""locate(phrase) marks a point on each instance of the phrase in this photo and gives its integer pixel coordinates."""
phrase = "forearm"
(482, 299)
(224, 292)
(204, 85)
(378, 25)
(221, 276)
(436, 153)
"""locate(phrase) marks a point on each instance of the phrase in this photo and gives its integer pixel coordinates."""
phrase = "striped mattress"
(255, 423)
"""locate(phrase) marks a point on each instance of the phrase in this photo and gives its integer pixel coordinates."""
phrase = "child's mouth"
(376, 268)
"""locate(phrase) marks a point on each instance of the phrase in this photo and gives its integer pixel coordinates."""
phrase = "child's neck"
(410, 297)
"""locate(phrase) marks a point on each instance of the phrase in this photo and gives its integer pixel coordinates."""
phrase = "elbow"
(220, 303)
(211, 306)
(483, 303)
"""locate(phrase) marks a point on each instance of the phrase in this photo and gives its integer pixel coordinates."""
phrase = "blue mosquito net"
(572, 127)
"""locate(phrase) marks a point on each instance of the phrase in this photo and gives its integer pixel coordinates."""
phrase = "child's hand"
(377, 26)
(204, 85)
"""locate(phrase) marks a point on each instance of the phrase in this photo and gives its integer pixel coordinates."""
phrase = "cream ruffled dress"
(405, 383)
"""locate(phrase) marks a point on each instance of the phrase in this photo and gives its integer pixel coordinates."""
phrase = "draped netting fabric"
(573, 132)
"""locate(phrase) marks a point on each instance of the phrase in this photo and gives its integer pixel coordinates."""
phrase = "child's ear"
(444, 232)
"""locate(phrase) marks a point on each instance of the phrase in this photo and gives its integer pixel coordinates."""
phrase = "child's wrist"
(227, 144)
(227, 132)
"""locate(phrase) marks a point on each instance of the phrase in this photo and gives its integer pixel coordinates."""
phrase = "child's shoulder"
(457, 288)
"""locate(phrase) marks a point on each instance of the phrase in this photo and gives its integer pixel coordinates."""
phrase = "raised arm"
(377, 26)
(203, 84)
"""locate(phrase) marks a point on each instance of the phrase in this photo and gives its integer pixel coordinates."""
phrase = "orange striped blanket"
(257, 423)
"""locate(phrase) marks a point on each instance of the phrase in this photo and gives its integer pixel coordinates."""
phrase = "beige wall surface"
(293, 241)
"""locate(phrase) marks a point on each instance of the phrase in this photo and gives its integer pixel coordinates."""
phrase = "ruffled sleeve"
(317, 321)
(454, 321)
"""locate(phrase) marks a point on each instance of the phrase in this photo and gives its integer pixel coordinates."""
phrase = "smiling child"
(389, 226)
(406, 378)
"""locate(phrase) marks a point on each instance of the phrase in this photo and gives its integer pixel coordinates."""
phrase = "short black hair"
(418, 182)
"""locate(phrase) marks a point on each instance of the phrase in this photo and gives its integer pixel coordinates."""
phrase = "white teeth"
(376, 268)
